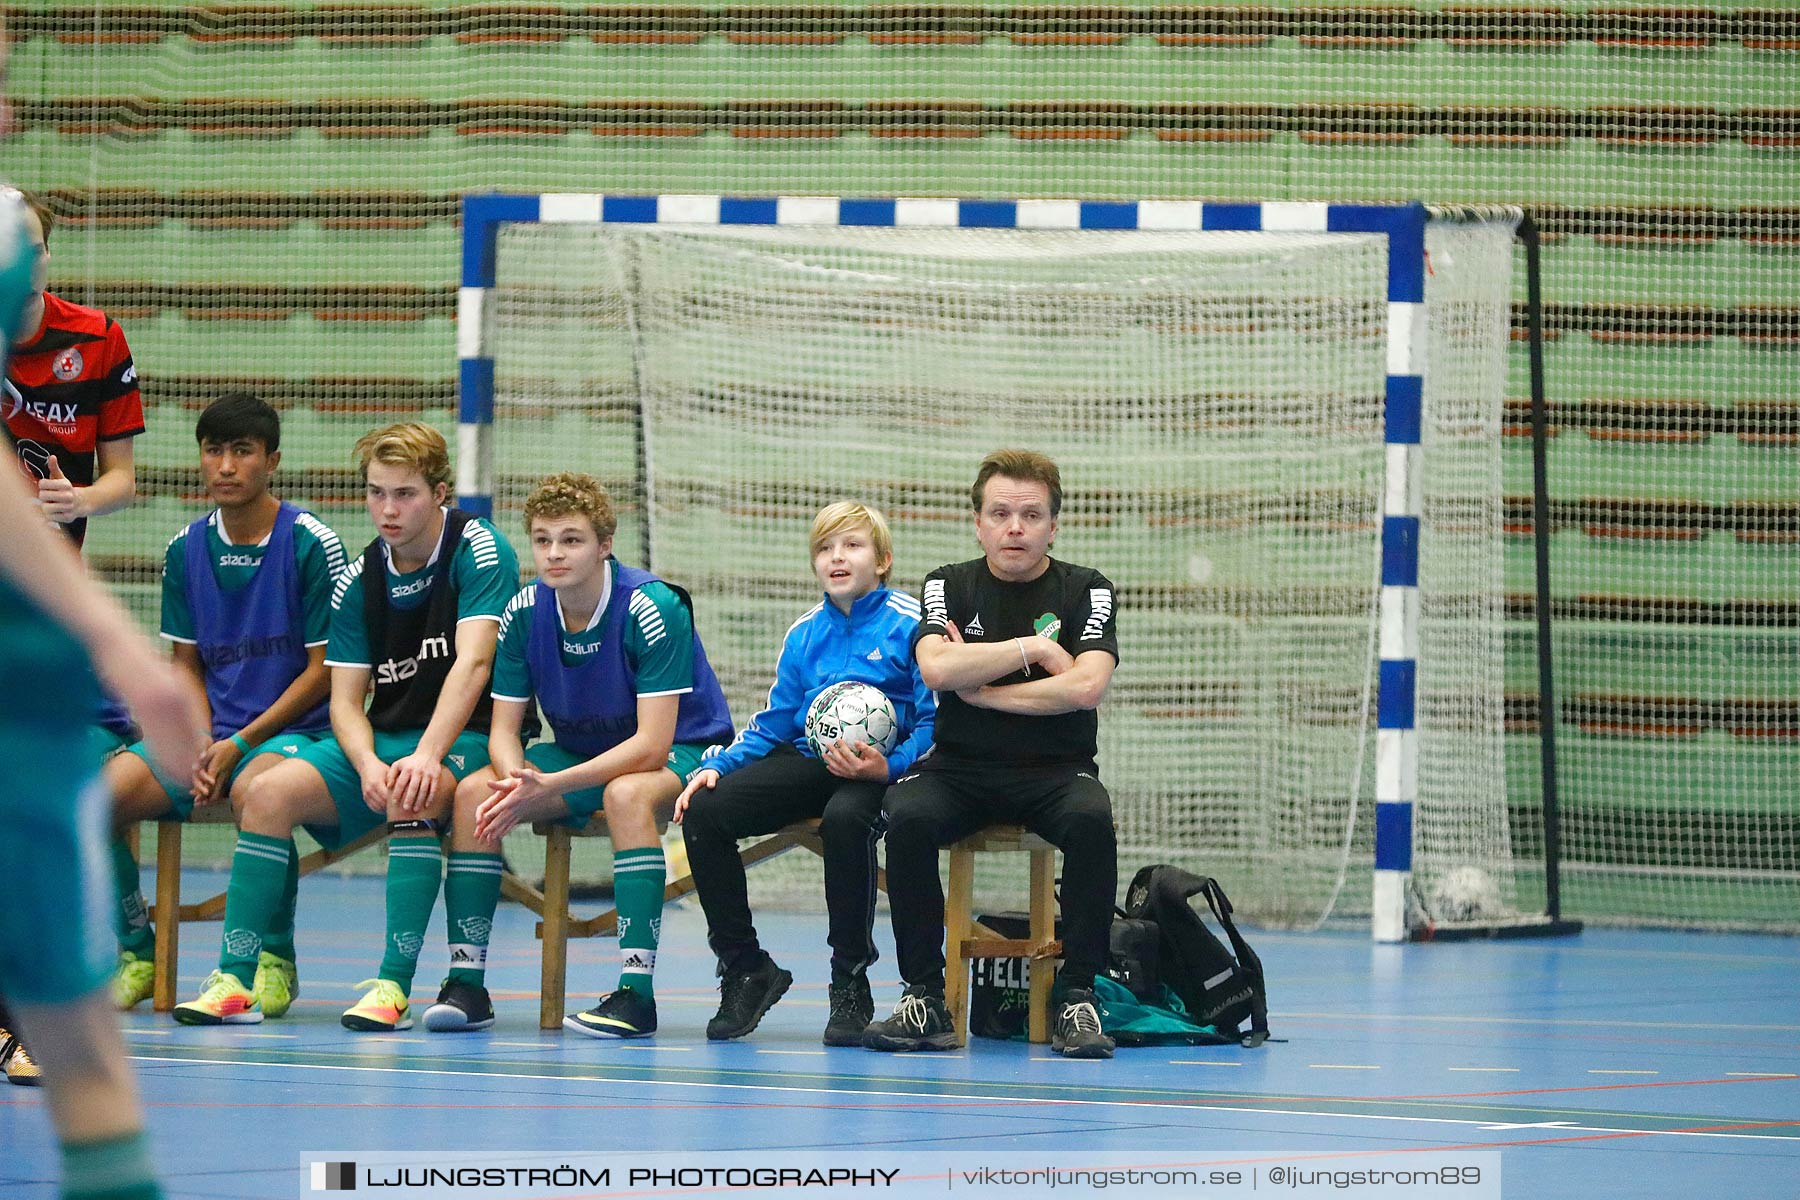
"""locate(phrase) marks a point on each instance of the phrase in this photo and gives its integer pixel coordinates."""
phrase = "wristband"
(1024, 663)
(237, 739)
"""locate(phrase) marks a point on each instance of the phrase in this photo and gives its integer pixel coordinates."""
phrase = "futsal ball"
(855, 712)
(1465, 894)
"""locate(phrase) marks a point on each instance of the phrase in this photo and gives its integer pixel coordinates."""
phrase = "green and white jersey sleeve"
(348, 644)
(659, 641)
(320, 554)
(485, 571)
(512, 671)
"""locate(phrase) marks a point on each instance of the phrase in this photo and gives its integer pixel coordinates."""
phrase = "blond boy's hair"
(572, 493)
(834, 519)
(410, 444)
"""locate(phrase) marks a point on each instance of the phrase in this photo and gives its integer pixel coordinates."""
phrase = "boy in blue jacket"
(769, 777)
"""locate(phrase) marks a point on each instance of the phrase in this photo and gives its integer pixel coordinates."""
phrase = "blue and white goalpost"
(1401, 229)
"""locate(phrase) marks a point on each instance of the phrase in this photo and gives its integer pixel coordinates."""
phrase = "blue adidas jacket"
(873, 644)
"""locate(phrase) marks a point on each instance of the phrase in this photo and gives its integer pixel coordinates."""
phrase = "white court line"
(1492, 1070)
(1342, 1067)
(148, 1032)
(1602, 1071)
(1447, 1019)
(291, 1036)
(808, 1053)
(1763, 1074)
(662, 1049)
(859, 1094)
(1201, 1062)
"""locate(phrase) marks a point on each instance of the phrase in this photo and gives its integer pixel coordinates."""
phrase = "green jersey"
(484, 570)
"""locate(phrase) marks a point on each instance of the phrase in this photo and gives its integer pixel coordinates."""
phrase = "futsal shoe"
(852, 1008)
(626, 1013)
(744, 996)
(921, 1021)
(460, 1008)
(222, 1001)
(20, 1067)
(277, 983)
(133, 981)
(1076, 1032)
(383, 1008)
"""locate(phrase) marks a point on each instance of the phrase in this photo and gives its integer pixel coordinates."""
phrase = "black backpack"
(1222, 988)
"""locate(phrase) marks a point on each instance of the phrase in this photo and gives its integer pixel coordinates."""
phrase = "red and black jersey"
(69, 389)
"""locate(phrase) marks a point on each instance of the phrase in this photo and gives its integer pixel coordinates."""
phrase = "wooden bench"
(169, 912)
(966, 939)
(558, 924)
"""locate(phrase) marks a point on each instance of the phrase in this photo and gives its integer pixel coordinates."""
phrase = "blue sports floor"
(1611, 1064)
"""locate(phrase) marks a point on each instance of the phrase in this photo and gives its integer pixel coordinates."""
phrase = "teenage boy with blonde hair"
(769, 777)
(611, 656)
(417, 650)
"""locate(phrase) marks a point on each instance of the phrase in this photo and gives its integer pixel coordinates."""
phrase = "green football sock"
(471, 894)
(258, 870)
(280, 938)
(113, 1169)
(638, 877)
(415, 868)
(131, 917)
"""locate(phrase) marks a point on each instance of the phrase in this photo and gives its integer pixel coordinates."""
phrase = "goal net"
(1215, 402)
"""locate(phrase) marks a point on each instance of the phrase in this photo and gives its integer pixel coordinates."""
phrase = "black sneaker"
(744, 996)
(626, 1013)
(1076, 1031)
(460, 1008)
(852, 1008)
(921, 1021)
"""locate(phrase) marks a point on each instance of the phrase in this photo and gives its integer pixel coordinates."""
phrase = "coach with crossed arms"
(1020, 648)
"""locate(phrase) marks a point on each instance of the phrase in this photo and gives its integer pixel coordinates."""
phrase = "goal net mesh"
(1214, 401)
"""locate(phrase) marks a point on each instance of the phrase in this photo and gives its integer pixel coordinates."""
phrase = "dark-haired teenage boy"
(246, 603)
